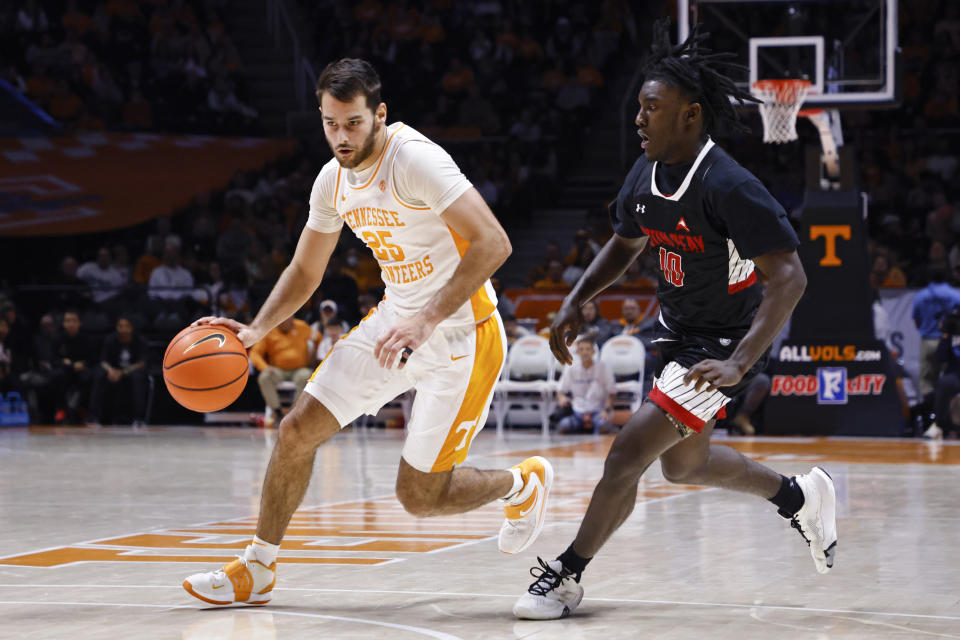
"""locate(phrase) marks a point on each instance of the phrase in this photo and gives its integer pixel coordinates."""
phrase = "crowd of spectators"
(122, 64)
(526, 77)
(501, 83)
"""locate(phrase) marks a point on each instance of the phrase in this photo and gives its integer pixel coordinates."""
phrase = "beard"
(359, 156)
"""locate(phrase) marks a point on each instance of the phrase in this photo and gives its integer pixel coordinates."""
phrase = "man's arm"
(785, 283)
(294, 287)
(610, 263)
(471, 218)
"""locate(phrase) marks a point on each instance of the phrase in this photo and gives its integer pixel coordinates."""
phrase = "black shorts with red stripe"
(678, 353)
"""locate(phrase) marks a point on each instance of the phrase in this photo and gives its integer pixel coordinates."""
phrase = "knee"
(301, 377)
(266, 379)
(681, 472)
(297, 434)
(414, 501)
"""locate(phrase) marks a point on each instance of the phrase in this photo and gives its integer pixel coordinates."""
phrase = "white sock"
(262, 551)
(517, 483)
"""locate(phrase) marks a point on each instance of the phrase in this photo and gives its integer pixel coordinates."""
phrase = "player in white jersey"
(436, 330)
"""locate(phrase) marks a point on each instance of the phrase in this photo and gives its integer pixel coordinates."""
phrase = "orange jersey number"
(380, 244)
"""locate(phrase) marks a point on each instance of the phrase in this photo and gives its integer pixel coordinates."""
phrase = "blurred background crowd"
(526, 96)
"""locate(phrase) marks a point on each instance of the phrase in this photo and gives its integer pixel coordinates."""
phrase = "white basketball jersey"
(416, 250)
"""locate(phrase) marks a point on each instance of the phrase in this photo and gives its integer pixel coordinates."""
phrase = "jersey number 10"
(672, 267)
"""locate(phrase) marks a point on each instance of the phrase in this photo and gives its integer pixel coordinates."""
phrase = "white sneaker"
(525, 511)
(933, 432)
(554, 594)
(243, 581)
(817, 518)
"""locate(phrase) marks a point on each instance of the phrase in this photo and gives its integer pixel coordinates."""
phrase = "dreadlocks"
(698, 71)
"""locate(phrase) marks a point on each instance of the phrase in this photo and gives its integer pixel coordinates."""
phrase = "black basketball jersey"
(703, 235)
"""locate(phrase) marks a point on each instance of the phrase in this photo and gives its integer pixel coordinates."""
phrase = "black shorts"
(678, 353)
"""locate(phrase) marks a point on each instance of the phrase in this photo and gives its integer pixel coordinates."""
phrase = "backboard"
(848, 49)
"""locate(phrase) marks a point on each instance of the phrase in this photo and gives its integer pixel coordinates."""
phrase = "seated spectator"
(36, 382)
(234, 302)
(579, 258)
(595, 325)
(553, 280)
(539, 271)
(121, 262)
(73, 293)
(121, 375)
(513, 329)
(104, 279)
(19, 337)
(632, 318)
(208, 293)
(222, 100)
(329, 313)
(170, 288)
(72, 370)
(883, 275)
(633, 278)
(8, 381)
(149, 260)
(332, 331)
(589, 389)
(282, 355)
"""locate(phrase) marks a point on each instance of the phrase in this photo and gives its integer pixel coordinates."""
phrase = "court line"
(732, 605)
(439, 635)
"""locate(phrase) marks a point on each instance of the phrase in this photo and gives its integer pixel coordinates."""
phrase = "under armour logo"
(641, 208)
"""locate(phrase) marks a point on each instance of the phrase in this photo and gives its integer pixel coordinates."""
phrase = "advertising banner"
(96, 181)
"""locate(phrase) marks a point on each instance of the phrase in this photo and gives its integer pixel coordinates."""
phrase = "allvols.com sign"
(831, 385)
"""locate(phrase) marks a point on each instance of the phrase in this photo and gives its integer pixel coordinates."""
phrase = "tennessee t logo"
(830, 232)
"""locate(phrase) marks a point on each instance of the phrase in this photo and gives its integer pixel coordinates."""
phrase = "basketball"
(205, 368)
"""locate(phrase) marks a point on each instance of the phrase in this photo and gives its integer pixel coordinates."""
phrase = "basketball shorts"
(453, 372)
(688, 408)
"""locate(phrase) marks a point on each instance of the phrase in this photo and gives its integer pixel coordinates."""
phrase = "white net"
(781, 103)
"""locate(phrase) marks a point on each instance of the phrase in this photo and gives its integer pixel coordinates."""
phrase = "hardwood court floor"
(98, 529)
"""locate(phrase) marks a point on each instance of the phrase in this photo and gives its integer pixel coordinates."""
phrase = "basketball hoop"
(781, 104)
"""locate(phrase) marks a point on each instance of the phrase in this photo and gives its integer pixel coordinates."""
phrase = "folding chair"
(528, 371)
(626, 356)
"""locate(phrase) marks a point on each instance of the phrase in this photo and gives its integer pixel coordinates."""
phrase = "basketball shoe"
(817, 518)
(243, 581)
(525, 510)
(554, 594)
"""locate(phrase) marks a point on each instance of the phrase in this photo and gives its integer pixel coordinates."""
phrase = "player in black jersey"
(729, 278)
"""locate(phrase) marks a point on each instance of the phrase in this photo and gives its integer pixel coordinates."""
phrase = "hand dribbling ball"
(205, 367)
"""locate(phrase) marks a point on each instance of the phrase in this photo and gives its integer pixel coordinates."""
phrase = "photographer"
(930, 305)
(948, 387)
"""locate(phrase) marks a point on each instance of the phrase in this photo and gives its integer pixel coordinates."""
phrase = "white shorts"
(454, 373)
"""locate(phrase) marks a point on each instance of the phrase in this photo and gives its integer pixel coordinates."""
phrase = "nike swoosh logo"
(213, 336)
(458, 357)
(216, 587)
(665, 340)
(523, 514)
